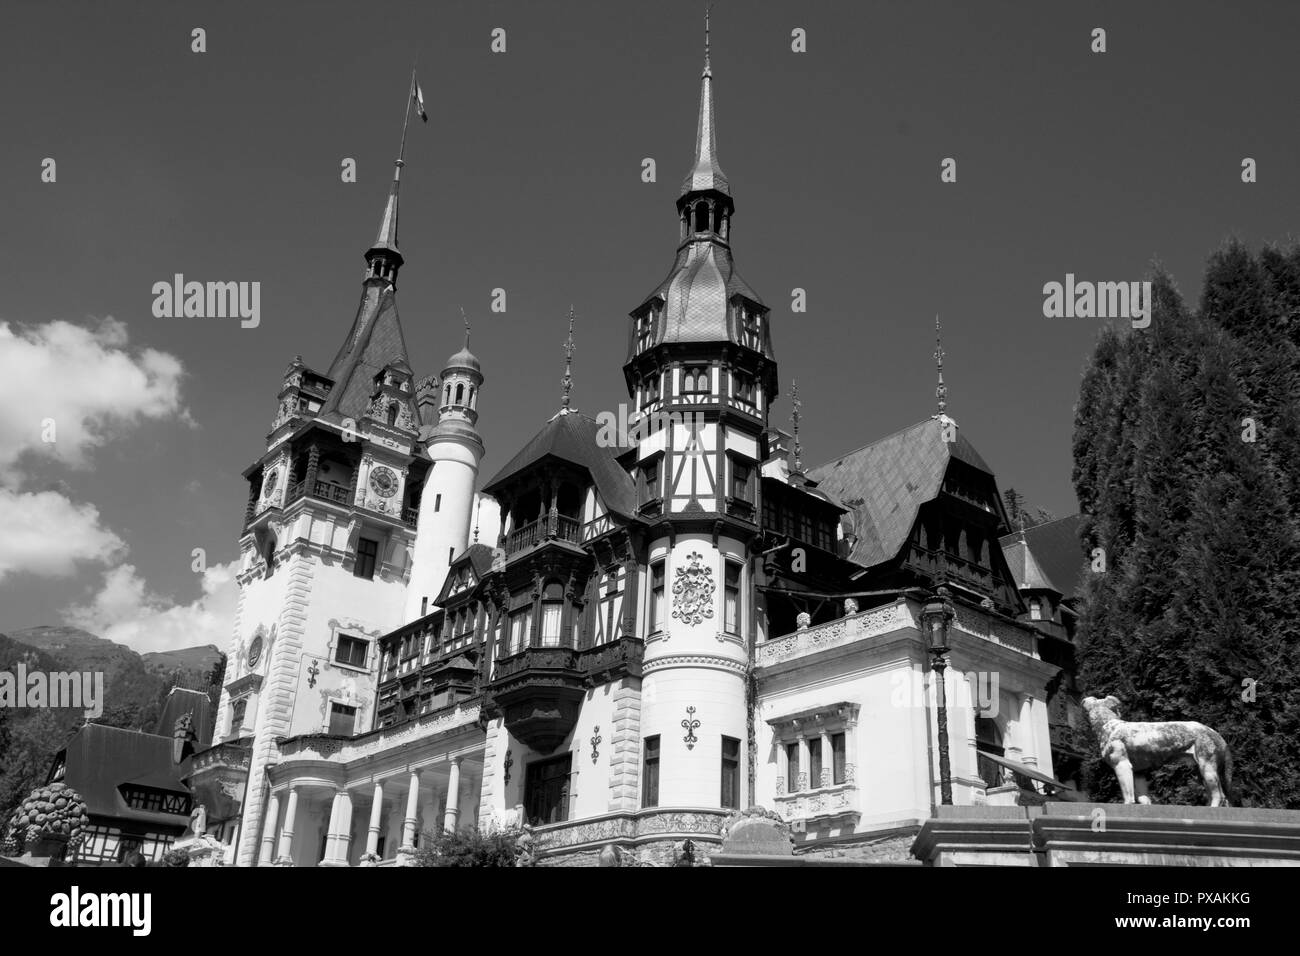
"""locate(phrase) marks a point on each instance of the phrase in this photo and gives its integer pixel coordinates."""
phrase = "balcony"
(607, 662)
(557, 527)
(833, 634)
(740, 508)
(832, 805)
(336, 494)
(538, 692)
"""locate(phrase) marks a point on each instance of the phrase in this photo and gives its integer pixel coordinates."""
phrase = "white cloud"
(47, 534)
(83, 380)
(126, 611)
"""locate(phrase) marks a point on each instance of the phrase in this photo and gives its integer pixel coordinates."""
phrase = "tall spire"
(941, 392)
(794, 417)
(465, 319)
(706, 173)
(385, 248)
(566, 383)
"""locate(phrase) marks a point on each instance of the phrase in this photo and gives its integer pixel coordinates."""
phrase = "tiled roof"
(480, 558)
(1025, 569)
(193, 702)
(705, 172)
(696, 295)
(572, 438)
(1056, 550)
(885, 483)
(375, 340)
(99, 759)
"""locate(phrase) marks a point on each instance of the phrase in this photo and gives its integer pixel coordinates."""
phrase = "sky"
(225, 165)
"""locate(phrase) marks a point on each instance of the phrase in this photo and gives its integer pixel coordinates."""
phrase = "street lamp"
(935, 617)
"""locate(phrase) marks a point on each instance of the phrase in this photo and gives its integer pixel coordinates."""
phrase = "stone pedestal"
(203, 850)
(1109, 834)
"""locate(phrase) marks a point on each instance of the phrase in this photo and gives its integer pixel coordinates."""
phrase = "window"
(551, 614)
(792, 767)
(546, 790)
(739, 480)
(1036, 609)
(520, 629)
(351, 651)
(367, 553)
(343, 719)
(237, 712)
(392, 414)
(651, 390)
(837, 758)
(652, 480)
(656, 596)
(731, 597)
(609, 604)
(814, 762)
(650, 776)
(437, 502)
(730, 773)
(697, 380)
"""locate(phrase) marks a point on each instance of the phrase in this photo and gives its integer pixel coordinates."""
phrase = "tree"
(1197, 613)
(468, 847)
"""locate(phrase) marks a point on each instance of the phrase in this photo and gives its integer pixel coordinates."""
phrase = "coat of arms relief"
(693, 591)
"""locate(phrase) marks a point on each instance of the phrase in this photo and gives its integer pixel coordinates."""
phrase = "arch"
(460, 393)
(701, 216)
(392, 413)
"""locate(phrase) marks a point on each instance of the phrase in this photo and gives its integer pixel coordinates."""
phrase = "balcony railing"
(558, 527)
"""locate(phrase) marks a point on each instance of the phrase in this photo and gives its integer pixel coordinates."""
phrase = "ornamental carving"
(693, 591)
(690, 725)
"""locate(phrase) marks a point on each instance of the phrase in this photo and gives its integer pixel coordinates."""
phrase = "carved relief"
(693, 591)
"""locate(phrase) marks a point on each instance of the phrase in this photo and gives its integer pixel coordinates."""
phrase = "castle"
(669, 627)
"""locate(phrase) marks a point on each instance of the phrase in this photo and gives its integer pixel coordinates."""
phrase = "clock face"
(384, 481)
(272, 478)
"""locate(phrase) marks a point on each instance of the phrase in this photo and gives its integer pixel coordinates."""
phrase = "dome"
(463, 359)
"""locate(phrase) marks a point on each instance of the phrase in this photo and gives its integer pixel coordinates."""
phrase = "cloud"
(126, 611)
(85, 383)
(45, 533)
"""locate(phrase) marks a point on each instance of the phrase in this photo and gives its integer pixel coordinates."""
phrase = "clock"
(383, 481)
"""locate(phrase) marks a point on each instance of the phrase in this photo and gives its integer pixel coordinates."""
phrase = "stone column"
(331, 833)
(828, 761)
(412, 808)
(286, 831)
(802, 782)
(453, 797)
(376, 809)
(269, 821)
(1025, 730)
(344, 841)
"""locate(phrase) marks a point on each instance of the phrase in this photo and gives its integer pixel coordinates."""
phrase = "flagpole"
(401, 152)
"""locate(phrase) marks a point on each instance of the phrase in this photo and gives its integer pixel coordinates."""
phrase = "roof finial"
(567, 382)
(707, 71)
(465, 318)
(478, 508)
(794, 417)
(941, 392)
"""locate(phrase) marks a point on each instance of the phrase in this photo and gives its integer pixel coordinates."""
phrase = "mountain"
(80, 650)
(188, 667)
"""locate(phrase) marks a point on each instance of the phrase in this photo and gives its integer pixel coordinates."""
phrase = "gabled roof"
(1056, 550)
(374, 341)
(885, 483)
(1025, 569)
(99, 759)
(573, 438)
(183, 701)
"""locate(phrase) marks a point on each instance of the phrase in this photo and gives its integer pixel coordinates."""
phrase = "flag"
(417, 94)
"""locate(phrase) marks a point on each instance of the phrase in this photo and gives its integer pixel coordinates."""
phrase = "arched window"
(701, 216)
(460, 394)
(447, 399)
(471, 396)
(392, 414)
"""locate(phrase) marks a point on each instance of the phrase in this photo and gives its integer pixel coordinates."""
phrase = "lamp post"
(935, 617)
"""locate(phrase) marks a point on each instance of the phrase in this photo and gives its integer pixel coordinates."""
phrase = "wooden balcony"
(539, 692)
(549, 528)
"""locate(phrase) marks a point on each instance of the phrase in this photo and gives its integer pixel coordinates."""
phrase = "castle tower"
(701, 372)
(327, 537)
(447, 497)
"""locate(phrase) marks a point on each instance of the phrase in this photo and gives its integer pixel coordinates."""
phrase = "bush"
(469, 847)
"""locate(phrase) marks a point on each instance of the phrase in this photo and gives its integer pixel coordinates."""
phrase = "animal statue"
(1134, 748)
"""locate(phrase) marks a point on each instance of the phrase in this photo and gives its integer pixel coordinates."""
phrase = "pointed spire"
(794, 417)
(941, 393)
(465, 319)
(386, 239)
(706, 173)
(566, 383)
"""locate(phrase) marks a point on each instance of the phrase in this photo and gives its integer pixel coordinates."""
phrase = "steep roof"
(99, 759)
(884, 484)
(374, 341)
(573, 438)
(696, 293)
(1054, 547)
(1025, 569)
(197, 704)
